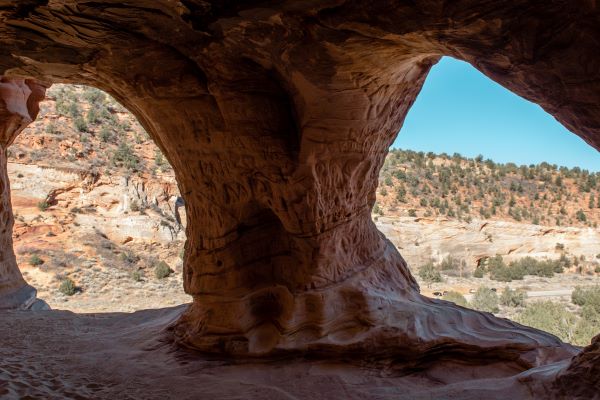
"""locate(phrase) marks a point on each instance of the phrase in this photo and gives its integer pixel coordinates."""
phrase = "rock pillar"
(19, 100)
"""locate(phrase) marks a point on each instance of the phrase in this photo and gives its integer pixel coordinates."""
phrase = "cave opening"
(99, 220)
(517, 193)
(341, 76)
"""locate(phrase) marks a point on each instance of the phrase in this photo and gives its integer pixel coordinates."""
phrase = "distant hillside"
(426, 185)
(83, 128)
(98, 214)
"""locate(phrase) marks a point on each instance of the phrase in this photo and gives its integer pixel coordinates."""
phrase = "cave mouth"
(99, 220)
(523, 218)
(220, 88)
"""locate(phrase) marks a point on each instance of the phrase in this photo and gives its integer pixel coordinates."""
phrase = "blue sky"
(461, 110)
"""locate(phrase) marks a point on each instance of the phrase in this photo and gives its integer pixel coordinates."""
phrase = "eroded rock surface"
(276, 118)
(580, 379)
(19, 100)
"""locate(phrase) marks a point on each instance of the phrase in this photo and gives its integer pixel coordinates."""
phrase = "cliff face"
(421, 240)
(276, 119)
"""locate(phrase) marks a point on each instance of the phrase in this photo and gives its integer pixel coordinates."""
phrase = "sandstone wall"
(18, 107)
(276, 120)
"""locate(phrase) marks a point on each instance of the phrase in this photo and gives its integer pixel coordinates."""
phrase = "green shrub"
(587, 297)
(94, 96)
(159, 159)
(456, 298)
(450, 263)
(43, 205)
(105, 134)
(125, 156)
(517, 270)
(80, 124)
(485, 299)
(137, 276)
(35, 260)
(51, 128)
(531, 266)
(499, 271)
(550, 317)
(429, 273)
(377, 209)
(513, 298)
(129, 257)
(73, 110)
(587, 327)
(92, 116)
(162, 270)
(563, 262)
(479, 271)
(67, 287)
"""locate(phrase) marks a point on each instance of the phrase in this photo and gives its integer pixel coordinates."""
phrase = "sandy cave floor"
(62, 355)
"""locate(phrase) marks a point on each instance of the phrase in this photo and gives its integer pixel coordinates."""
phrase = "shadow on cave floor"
(60, 354)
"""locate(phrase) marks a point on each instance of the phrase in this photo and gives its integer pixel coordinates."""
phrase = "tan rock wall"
(18, 108)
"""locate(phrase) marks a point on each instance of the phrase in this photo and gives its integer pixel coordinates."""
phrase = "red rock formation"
(581, 379)
(276, 118)
(18, 108)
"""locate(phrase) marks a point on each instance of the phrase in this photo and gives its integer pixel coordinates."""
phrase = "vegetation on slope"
(84, 128)
(576, 323)
(421, 184)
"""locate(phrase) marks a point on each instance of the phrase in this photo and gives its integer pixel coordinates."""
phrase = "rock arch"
(276, 119)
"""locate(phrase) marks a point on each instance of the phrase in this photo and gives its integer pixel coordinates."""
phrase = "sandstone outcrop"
(19, 100)
(423, 239)
(276, 118)
(580, 379)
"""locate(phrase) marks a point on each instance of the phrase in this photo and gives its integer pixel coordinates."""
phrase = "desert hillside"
(458, 188)
(96, 207)
(433, 206)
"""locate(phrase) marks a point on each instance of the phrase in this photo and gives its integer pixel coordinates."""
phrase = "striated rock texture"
(19, 100)
(581, 378)
(276, 117)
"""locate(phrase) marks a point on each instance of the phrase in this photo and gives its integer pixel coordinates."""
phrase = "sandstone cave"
(276, 117)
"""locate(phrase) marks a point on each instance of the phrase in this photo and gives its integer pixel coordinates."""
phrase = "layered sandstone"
(276, 119)
(19, 100)
(433, 238)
